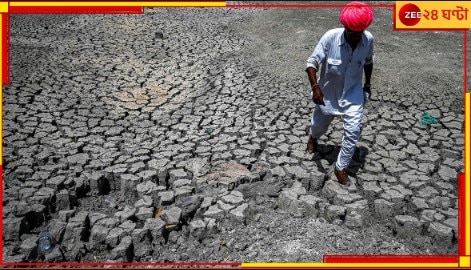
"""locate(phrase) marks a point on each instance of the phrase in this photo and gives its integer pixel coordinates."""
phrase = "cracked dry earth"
(179, 135)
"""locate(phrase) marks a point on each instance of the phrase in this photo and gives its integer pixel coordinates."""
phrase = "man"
(343, 54)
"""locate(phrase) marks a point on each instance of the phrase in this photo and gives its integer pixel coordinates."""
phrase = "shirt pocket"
(334, 66)
(360, 65)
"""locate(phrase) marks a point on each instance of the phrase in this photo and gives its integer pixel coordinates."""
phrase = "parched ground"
(179, 135)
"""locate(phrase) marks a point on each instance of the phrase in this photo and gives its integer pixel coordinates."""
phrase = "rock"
(309, 205)
(230, 174)
(224, 206)
(197, 228)
(261, 168)
(393, 196)
(141, 239)
(145, 202)
(365, 178)
(128, 226)
(214, 212)
(197, 166)
(449, 213)
(453, 224)
(145, 213)
(407, 227)
(127, 213)
(148, 175)
(172, 216)
(181, 182)
(109, 222)
(65, 215)
(239, 213)
(166, 198)
(332, 189)
(177, 174)
(296, 172)
(360, 207)
(19, 209)
(98, 235)
(15, 259)
(384, 209)
(124, 250)
(417, 185)
(316, 180)
(334, 212)
(55, 255)
(155, 226)
(56, 183)
(78, 159)
(442, 235)
(447, 173)
(129, 184)
(184, 191)
(228, 183)
(149, 189)
(211, 225)
(37, 214)
(298, 188)
(443, 186)
(29, 247)
(205, 204)
(342, 199)
(354, 220)
(427, 216)
(114, 237)
(288, 201)
(371, 191)
(73, 236)
(98, 183)
(13, 228)
(427, 192)
(63, 200)
(189, 205)
(43, 196)
(418, 204)
(276, 172)
(56, 228)
(407, 193)
(444, 203)
(262, 188)
(232, 199)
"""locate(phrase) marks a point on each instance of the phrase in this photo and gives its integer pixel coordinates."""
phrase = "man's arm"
(368, 68)
(313, 65)
(368, 72)
(317, 95)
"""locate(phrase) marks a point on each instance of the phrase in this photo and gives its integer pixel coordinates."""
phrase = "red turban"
(356, 16)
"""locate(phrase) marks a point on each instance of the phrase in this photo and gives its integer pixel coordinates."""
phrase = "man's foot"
(342, 176)
(311, 146)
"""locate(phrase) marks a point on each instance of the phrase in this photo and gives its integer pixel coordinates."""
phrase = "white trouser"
(351, 125)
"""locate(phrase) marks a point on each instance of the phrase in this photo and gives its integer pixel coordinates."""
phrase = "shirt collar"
(343, 41)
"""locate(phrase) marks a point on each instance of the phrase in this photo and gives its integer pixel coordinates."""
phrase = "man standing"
(342, 55)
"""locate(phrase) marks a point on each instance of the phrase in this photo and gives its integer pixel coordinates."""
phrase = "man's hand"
(317, 95)
(367, 89)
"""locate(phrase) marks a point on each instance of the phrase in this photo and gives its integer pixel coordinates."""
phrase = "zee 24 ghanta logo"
(411, 14)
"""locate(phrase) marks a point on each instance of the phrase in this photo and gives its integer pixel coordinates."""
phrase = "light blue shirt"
(341, 73)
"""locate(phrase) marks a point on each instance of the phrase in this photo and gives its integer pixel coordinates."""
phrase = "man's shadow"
(330, 153)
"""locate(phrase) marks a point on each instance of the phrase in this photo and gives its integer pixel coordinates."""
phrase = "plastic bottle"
(45, 243)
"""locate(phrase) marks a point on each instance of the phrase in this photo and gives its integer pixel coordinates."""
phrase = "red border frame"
(327, 258)
(6, 50)
(76, 10)
(301, 5)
